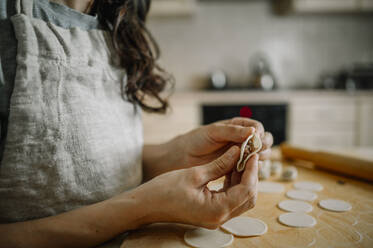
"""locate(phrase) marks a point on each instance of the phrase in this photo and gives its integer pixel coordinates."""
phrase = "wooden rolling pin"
(347, 165)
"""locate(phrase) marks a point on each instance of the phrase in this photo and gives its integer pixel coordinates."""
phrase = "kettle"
(263, 77)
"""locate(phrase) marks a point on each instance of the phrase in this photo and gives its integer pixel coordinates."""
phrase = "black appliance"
(357, 77)
(273, 116)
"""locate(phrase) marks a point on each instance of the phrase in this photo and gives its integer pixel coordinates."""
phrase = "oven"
(273, 116)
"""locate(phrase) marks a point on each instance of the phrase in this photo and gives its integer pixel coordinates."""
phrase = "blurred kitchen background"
(302, 67)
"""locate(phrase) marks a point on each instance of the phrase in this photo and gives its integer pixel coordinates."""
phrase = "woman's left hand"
(203, 145)
(207, 143)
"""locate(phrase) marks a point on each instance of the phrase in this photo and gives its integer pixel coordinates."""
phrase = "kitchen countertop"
(275, 96)
(349, 229)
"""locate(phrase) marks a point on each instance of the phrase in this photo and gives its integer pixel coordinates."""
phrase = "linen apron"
(72, 140)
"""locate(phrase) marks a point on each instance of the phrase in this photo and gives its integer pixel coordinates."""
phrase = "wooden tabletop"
(348, 229)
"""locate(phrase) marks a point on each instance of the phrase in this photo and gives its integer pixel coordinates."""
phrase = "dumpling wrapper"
(249, 147)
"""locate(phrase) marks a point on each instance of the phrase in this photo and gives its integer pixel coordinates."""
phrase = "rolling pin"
(347, 165)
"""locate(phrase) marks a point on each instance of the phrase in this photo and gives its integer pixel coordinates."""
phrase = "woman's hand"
(208, 142)
(202, 145)
(182, 195)
(178, 196)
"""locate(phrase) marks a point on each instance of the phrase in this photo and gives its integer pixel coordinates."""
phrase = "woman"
(73, 158)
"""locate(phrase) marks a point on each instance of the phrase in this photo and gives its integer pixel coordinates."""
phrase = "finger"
(236, 178)
(213, 154)
(247, 122)
(219, 132)
(238, 194)
(221, 166)
(227, 181)
(266, 154)
(250, 174)
(247, 205)
(250, 181)
(267, 140)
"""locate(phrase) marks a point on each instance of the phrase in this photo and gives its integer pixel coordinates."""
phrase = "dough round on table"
(335, 205)
(297, 220)
(270, 187)
(295, 206)
(215, 186)
(243, 226)
(302, 195)
(205, 238)
(312, 186)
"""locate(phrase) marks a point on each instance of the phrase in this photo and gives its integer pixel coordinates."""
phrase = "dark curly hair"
(137, 49)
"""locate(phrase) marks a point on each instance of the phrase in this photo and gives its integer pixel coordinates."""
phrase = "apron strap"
(24, 7)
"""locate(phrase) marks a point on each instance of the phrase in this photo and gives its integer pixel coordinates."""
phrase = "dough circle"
(270, 187)
(243, 226)
(335, 205)
(215, 186)
(302, 195)
(297, 220)
(295, 206)
(312, 186)
(205, 238)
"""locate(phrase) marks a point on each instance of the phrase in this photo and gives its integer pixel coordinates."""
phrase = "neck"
(83, 6)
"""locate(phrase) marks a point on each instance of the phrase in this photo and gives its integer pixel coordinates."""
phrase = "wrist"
(145, 206)
(161, 158)
(136, 210)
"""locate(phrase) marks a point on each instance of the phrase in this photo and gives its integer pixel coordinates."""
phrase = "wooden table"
(348, 229)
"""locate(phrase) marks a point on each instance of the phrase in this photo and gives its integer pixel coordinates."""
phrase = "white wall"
(226, 35)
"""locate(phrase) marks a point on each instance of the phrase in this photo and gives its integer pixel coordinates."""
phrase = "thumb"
(221, 166)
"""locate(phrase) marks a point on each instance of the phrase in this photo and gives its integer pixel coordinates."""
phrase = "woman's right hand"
(182, 195)
(178, 196)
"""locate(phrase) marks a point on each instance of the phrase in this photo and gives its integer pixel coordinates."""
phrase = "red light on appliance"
(246, 112)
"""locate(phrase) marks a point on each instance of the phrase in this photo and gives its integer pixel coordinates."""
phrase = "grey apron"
(72, 140)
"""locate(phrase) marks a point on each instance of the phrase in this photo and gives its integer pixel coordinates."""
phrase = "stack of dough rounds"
(302, 195)
(276, 168)
(243, 226)
(264, 170)
(205, 238)
(289, 174)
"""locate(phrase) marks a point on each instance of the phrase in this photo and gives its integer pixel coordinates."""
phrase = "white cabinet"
(323, 6)
(167, 8)
(365, 134)
(315, 118)
(323, 120)
(366, 5)
(182, 117)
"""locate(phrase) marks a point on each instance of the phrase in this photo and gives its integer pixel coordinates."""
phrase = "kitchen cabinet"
(365, 128)
(168, 8)
(327, 121)
(183, 116)
(366, 5)
(315, 118)
(323, 6)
